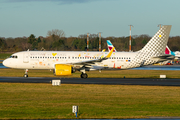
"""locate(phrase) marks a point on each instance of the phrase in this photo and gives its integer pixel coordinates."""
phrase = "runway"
(104, 81)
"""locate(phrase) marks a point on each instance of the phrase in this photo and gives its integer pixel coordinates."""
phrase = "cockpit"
(14, 56)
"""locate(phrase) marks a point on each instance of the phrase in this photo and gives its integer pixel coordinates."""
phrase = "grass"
(4, 55)
(95, 74)
(44, 101)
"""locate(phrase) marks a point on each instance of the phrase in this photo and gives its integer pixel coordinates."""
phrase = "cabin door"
(25, 57)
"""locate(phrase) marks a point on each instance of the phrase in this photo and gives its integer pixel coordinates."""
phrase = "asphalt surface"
(105, 81)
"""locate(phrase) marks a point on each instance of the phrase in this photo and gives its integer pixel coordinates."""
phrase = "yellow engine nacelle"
(62, 69)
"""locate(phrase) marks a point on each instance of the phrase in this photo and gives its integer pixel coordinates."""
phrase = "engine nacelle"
(62, 69)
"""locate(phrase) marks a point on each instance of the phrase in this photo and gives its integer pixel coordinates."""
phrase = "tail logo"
(160, 36)
(167, 51)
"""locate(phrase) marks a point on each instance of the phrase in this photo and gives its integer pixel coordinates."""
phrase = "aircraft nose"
(5, 63)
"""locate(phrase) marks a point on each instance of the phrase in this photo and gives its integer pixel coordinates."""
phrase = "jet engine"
(62, 69)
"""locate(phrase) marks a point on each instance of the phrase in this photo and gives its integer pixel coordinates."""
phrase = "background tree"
(79, 43)
(144, 42)
(32, 40)
(56, 32)
(3, 45)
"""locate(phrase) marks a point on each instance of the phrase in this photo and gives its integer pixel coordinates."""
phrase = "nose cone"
(11, 63)
(5, 63)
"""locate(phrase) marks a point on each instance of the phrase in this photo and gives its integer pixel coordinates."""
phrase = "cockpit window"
(13, 56)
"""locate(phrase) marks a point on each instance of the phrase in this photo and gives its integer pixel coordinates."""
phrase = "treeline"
(57, 41)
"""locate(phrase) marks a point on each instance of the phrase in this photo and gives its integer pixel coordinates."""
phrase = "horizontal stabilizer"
(163, 57)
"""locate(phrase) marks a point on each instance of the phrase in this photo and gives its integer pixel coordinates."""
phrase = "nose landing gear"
(26, 73)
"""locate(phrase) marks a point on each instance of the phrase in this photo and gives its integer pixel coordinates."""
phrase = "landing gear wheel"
(25, 75)
(84, 75)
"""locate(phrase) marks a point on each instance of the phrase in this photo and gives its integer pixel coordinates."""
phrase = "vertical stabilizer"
(154, 48)
(110, 46)
(167, 50)
(158, 42)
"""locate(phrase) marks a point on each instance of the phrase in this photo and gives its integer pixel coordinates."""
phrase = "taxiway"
(105, 81)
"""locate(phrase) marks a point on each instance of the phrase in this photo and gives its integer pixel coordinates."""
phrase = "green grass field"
(44, 101)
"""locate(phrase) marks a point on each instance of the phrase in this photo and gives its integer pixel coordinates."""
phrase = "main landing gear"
(26, 73)
(84, 75)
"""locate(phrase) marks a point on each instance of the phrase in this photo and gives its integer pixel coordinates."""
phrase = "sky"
(19, 18)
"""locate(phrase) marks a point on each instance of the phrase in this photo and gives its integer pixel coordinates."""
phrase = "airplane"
(176, 53)
(67, 62)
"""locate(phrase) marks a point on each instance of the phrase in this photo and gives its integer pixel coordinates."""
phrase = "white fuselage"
(48, 59)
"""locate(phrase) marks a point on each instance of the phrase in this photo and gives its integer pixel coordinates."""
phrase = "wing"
(90, 62)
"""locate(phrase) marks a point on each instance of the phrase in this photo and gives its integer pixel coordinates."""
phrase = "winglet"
(110, 53)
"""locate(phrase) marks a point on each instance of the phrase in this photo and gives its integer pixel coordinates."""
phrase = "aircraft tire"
(84, 75)
(25, 75)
